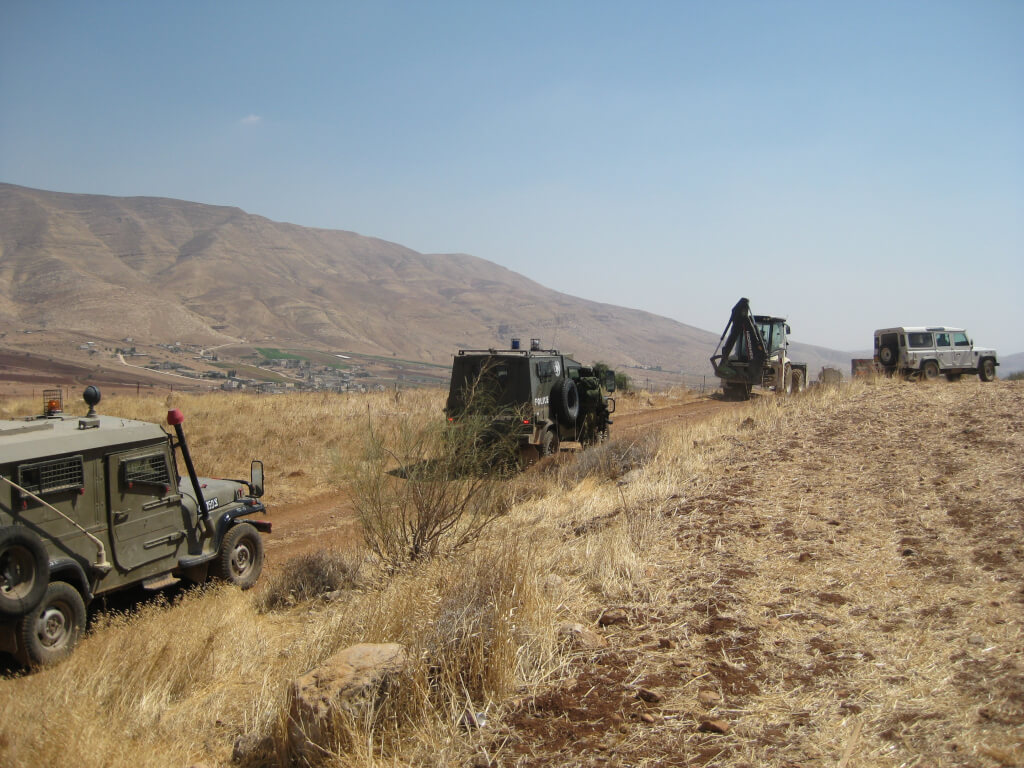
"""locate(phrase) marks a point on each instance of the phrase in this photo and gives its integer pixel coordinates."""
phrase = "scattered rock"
(666, 642)
(805, 556)
(714, 726)
(579, 636)
(613, 616)
(472, 720)
(976, 640)
(347, 683)
(646, 694)
(709, 698)
(908, 552)
(251, 748)
(747, 423)
(680, 663)
(481, 761)
(647, 717)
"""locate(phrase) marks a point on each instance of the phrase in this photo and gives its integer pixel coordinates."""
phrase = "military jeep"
(546, 397)
(95, 504)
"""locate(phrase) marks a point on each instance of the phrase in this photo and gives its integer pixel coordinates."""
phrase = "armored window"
(545, 370)
(66, 474)
(942, 339)
(920, 340)
(151, 469)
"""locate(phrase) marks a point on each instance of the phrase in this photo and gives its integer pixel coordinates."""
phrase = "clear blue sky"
(851, 165)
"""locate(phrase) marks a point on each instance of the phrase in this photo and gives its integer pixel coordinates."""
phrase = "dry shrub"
(611, 460)
(474, 629)
(308, 576)
(432, 488)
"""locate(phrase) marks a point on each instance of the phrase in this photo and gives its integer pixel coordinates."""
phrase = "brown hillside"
(164, 270)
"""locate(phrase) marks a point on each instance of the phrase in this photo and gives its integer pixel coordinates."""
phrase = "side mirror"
(788, 329)
(609, 381)
(256, 478)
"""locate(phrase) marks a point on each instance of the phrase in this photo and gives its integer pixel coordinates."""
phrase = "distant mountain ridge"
(166, 270)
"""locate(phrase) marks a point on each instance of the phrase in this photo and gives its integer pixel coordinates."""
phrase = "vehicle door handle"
(120, 517)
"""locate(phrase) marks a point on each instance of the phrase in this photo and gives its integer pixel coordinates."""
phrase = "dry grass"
(843, 571)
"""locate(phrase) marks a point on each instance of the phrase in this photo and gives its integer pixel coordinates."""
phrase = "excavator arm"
(743, 350)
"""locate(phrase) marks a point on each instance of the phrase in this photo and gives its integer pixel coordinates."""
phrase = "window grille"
(52, 476)
(146, 469)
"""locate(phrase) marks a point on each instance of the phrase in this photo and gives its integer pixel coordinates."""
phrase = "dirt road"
(330, 521)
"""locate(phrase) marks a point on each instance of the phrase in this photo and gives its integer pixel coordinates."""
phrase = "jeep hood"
(214, 490)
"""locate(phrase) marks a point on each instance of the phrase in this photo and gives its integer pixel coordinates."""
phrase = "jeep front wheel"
(50, 632)
(24, 571)
(930, 370)
(241, 556)
(987, 370)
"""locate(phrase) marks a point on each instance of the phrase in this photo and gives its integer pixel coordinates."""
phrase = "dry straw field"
(831, 580)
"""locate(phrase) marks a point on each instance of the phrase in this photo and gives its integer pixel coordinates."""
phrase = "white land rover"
(933, 350)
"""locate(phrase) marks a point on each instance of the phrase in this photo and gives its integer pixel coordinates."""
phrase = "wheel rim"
(241, 558)
(53, 628)
(16, 573)
(931, 371)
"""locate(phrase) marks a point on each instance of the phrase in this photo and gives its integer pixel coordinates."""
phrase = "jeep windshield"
(485, 383)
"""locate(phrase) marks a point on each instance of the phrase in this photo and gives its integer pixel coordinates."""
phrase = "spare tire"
(24, 571)
(565, 399)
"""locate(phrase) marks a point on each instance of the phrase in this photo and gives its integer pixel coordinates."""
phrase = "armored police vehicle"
(542, 394)
(94, 504)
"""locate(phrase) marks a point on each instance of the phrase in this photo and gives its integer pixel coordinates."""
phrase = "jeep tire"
(566, 400)
(987, 369)
(240, 559)
(24, 571)
(930, 370)
(887, 356)
(51, 630)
